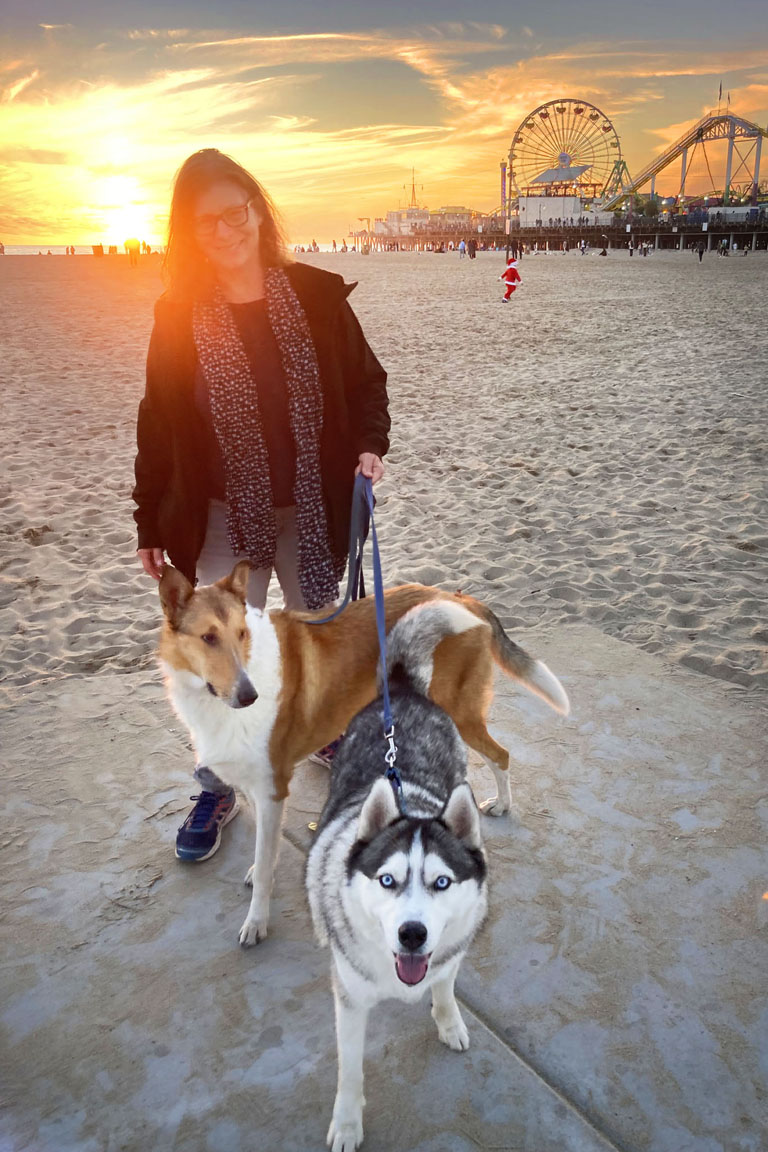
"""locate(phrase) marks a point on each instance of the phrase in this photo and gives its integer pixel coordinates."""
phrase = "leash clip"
(391, 753)
(392, 773)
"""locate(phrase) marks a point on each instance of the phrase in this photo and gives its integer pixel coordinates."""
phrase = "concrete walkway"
(616, 997)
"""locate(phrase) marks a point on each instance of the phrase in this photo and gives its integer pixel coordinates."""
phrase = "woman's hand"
(152, 561)
(370, 466)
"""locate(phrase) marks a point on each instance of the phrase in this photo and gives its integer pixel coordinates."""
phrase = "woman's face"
(226, 230)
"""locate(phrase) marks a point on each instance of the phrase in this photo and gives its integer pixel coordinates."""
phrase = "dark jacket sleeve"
(365, 386)
(153, 460)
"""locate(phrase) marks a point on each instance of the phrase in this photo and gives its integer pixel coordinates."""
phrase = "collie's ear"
(379, 810)
(175, 593)
(237, 581)
(461, 816)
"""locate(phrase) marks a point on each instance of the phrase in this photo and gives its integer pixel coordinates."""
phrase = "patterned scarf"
(251, 526)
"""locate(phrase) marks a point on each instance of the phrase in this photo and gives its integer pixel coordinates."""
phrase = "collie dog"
(259, 691)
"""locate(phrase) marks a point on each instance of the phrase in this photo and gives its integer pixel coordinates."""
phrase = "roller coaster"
(744, 147)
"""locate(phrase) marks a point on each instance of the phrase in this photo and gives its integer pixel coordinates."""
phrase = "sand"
(593, 451)
(589, 457)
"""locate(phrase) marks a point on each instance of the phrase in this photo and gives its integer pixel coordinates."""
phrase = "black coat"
(172, 483)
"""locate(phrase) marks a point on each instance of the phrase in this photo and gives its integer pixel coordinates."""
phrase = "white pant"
(217, 558)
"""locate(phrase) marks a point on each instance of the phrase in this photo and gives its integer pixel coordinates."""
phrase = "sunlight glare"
(119, 203)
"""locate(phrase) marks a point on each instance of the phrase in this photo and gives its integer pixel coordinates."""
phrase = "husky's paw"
(494, 806)
(455, 1035)
(248, 878)
(344, 1135)
(253, 931)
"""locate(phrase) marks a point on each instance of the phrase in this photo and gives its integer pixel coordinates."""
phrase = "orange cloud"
(152, 96)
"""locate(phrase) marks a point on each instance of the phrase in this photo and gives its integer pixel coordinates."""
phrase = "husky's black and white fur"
(397, 897)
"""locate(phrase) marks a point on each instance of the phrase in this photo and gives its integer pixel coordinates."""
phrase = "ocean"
(57, 249)
(34, 249)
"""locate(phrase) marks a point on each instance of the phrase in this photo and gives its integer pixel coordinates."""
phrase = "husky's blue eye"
(387, 881)
(442, 883)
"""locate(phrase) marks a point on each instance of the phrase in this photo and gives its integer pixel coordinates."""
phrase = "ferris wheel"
(563, 147)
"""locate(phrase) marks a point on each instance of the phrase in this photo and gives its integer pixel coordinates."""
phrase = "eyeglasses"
(233, 217)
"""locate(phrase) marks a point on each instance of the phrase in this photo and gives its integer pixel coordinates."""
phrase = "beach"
(593, 451)
(589, 460)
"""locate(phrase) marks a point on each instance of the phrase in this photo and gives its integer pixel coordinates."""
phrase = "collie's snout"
(244, 693)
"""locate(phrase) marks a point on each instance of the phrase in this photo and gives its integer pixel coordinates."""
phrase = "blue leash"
(361, 513)
(361, 517)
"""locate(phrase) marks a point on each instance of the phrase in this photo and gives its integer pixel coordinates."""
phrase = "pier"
(679, 234)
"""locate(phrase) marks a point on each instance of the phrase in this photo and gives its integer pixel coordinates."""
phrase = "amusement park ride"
(565, 169)
(710, 128)
(563, 148)
(569, 148)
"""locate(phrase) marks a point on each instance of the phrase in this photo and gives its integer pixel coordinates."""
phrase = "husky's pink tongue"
(411, 969)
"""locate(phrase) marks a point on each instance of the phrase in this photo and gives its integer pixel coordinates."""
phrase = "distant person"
(2, 249)
(631, 247)
(133, 248)
(511, 278)
(333, 242)
(472, 248)
(254, 422)
(462, 249)
(701, 249)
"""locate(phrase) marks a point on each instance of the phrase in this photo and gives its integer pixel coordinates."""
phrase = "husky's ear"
(462, 818)
(175, 593)
(379, 810)
(237, 581)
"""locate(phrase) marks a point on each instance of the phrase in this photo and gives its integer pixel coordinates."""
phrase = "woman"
(263, 400)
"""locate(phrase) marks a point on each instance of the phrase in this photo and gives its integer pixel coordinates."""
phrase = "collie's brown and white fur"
(260, 691)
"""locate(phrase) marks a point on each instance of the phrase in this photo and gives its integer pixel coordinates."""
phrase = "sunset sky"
(331, 104)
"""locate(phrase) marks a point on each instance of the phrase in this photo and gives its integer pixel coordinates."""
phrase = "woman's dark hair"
(184, 267)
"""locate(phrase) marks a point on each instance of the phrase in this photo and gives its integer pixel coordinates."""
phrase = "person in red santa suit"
(511, 278)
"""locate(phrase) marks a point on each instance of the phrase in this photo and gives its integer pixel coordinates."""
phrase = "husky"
(260, 691)
(397, 894)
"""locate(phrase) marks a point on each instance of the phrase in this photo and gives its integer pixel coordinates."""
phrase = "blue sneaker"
(325, 755)
(200, 834)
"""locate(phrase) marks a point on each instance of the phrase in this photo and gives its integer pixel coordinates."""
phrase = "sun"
(132, 221)
(124, 212)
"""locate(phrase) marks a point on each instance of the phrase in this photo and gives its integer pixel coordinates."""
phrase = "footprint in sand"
(564, 592)
(679, 619)
(37, 536)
